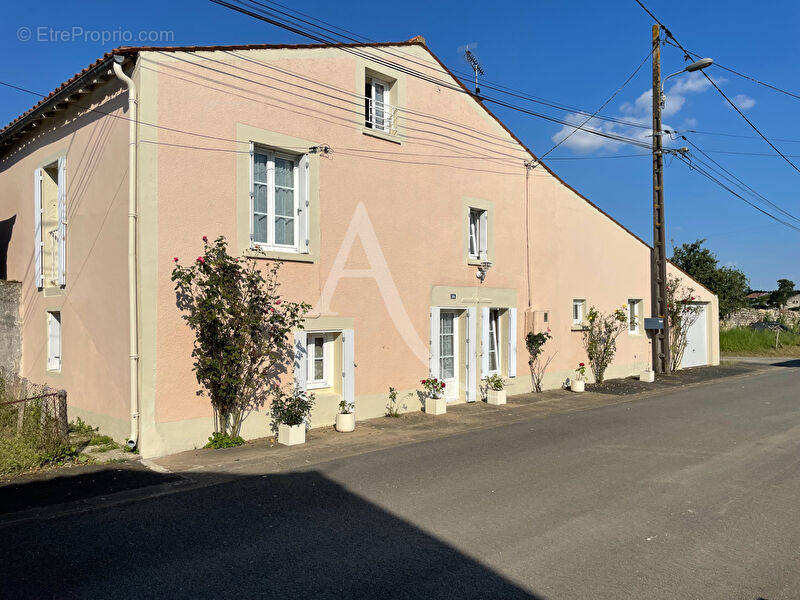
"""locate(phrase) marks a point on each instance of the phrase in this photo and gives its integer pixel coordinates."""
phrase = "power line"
(337, 44)
(353, 37)
(716, 87)
(710, 177)
(602, 106)
(749, 77)
(737, 181)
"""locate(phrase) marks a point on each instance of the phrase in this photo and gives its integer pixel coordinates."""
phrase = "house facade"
(426, 236)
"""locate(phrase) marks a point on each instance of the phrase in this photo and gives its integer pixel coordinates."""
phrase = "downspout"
(133, 308)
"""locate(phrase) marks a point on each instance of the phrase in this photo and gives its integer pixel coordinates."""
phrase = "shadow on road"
(787, 363)
(294, 535)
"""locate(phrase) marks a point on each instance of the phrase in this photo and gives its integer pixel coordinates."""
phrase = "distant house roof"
(754, 295)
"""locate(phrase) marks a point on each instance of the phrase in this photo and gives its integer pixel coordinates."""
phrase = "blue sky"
(575, 53)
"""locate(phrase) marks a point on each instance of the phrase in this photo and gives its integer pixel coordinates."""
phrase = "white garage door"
(696, 354)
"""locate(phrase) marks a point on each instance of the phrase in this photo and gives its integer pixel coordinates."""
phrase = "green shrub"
(223, 440)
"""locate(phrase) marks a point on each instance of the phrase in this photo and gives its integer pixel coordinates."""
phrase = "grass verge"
(743, 340)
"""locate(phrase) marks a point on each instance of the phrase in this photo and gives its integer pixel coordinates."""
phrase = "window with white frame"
(478, 233)
(54, 341)
(378, 113)
(634, 315)
(578, 311)
(320, 356)
(275, 201)
(494, 338)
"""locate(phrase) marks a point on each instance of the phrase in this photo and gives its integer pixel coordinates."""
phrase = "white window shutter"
(472, 355)
(484, 342)
(62, 220)
(303, 205)
(251, 217)
(348, 366)
(434, 363)
(512, 342)
(300, 360)
(484, 233)
(37, 227)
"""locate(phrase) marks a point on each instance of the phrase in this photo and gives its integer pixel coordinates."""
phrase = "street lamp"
(697, 65)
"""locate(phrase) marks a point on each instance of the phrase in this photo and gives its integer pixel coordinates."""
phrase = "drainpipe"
(133, 308)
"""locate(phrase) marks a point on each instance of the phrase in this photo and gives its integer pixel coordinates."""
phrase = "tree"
(779, 297)
(600, 339)
(729, 284)
(241, 327)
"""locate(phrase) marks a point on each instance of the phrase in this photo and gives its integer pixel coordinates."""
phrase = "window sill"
(278, 255)
(477, 262)
(396, 139)
(574, 327)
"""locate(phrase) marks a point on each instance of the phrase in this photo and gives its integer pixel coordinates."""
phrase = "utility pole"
(661, 359)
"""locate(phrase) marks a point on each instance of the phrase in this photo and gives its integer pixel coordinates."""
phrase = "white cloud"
(743, 101)
(639, 111)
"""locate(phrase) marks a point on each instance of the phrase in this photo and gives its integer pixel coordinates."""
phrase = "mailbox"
(654, 323)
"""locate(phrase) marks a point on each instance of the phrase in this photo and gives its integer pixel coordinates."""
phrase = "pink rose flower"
(200, 259)
(205, 239)
(175, 259)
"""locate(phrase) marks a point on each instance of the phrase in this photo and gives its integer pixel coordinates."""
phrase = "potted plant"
(647, 375)
(290, 416)
(578, 383)
(435, 404)
(346, 418)
(495, 394)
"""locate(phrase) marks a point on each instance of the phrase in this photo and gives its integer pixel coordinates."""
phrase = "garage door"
(697, 342)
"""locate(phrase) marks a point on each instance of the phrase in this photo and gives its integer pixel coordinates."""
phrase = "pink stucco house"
(385, 194)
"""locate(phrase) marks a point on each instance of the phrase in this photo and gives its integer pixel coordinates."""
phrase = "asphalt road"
(690, 494)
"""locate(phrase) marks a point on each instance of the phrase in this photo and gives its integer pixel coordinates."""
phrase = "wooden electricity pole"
(661, 359)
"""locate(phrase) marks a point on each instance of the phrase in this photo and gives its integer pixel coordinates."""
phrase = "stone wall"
(10, 336)
(748, 316)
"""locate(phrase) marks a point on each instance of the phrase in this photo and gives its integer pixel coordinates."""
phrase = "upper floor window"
(50, 224)
(478, 233)
(279, 201)
(378, 112)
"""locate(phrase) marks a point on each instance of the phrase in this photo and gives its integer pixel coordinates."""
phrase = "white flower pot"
(345, 423)
(577, 385)
(648, 376)
(435, 406)
(291, 435)
(496, 397)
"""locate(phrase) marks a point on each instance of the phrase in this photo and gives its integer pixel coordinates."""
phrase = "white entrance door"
(696, 354)
(448, 353)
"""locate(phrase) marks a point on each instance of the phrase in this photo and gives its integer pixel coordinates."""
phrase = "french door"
(448, 352)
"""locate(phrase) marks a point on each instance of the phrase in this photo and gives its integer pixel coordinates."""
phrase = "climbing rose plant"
(241, 327)
(537, 361)
(600, 338)
(682, 315)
